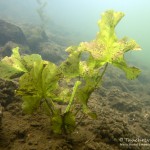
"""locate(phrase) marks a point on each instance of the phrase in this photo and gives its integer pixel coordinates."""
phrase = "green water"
(79, 18)
(82, 16)
(122, 105)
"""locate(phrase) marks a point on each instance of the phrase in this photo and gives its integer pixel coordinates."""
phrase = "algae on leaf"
(63, 123)
(70, 67)
(43, 84)
(30, 103)
(107, 48)
(11, 67)
(50, 77)
(40, 82)
(15, 60)
(28, 60)
(8, 72)
(16, 65)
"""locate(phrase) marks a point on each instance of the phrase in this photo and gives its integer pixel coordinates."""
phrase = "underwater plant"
(63, 91)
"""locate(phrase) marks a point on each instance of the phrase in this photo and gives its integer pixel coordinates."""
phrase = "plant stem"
(73, 95)
(101, 76)
(50, 106)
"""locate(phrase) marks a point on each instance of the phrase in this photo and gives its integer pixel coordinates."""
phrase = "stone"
(11, 32)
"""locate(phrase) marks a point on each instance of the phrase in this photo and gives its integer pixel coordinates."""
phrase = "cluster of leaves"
(39, 87)
(43, 84)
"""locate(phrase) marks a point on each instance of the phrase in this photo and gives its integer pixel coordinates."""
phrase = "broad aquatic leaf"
(36, 76)
(8, 72)
(57, 123)
(30, 83)
(12, 67)
(30, 103)
(28, 60)
(83, 95)
(26, 85)
(64, 123)
(107, 48)
(70, 67)
(69, 122)
(50, 77)
(131, 72)
(16, 65)
(15, 61)
(40, 82)
(107, 24)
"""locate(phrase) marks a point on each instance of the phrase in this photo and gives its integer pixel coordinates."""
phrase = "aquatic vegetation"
(43, 85)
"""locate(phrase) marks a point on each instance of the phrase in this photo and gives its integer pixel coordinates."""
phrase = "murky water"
(79, 17)
(52, 25)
